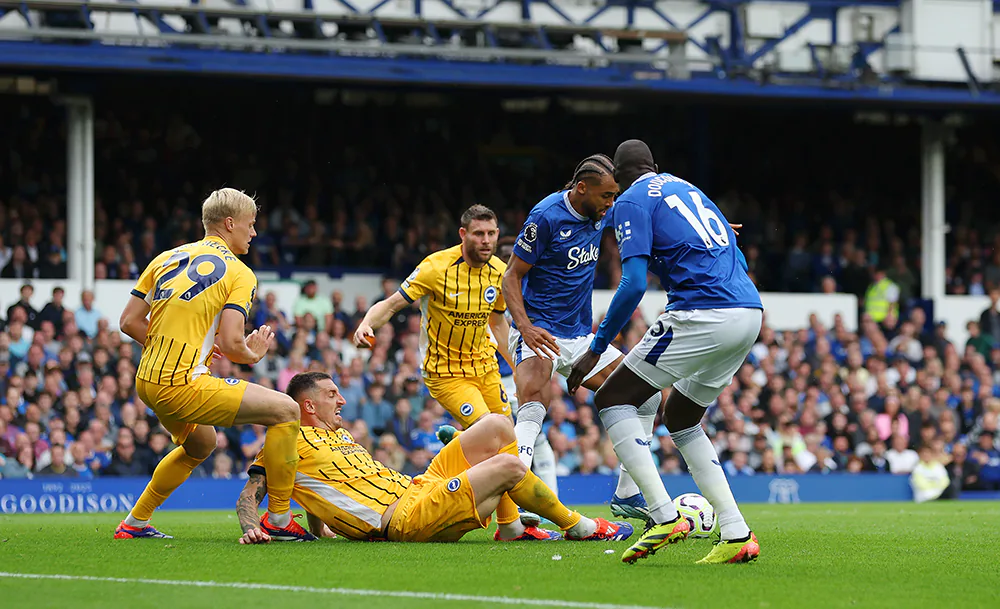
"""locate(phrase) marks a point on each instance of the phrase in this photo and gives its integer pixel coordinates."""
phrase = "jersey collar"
(648, 174)
(569, 206)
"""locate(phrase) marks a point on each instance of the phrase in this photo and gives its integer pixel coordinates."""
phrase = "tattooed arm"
(247, 509)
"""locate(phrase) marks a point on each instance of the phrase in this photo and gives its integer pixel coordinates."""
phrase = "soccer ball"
(698, 512)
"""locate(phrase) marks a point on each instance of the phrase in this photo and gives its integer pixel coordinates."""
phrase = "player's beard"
(478, 256)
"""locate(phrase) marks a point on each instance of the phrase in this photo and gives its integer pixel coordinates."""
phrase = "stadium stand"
(817, 400)
(154, 166)
(820, 399)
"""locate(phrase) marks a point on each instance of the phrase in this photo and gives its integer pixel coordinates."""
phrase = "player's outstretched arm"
(247, 509)
(378, 316)
(540, 341)
(134, 320)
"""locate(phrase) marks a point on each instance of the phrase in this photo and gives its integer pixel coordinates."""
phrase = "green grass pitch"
(817, 555)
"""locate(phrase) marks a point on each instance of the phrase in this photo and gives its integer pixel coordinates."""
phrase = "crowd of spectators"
(817, 400)
(338, 188)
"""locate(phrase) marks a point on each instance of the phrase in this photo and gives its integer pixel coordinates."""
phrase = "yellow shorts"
(208, 400)
(467, 398)
(439, 505)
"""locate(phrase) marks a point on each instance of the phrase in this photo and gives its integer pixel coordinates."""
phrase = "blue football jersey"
(688, 241)
(563, 247)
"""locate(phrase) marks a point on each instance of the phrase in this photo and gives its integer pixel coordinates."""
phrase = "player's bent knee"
(602, 399)
(287, 411)
(499, 424)
(512, 467)
(200, 443)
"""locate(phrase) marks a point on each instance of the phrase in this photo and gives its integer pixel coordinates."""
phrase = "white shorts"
(570, 350)
(696, 352)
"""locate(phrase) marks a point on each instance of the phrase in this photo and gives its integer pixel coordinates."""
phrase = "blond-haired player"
(190, 304)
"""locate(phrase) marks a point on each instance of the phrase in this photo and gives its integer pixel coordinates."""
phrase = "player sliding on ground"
(197, 297)
(549, 286)
(459, 293)
(343, 489)
(713, 316)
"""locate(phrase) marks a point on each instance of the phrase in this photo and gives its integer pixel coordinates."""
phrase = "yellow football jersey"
(187, 289)
(339, 482)
(455, 305)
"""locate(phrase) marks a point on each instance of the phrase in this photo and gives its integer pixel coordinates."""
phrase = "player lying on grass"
(341, 486)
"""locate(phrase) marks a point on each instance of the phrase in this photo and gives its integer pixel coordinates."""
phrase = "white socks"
(585, 528)
(647, 415)
(529, 424)
(279, 520)
(138, 524)
(511, 530)
(703, 463)
(628, 437)
(544, 464)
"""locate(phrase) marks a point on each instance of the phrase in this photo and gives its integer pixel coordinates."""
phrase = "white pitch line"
(436, 596)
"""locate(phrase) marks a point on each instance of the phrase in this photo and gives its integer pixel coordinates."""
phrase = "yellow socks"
(533, 495)
(172, 471)
(280, 458)
(507, 510)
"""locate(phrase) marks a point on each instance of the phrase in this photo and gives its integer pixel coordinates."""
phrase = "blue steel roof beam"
(558, 11)
(543, 38)
(822, 3)
(377, 6)
(379, 32)
(489, 8)
(402, 70)
(597, 13)
(770, 45)
(434, 33)
(153, 15)
(23, 9)
(973, 81)
(816, 61)
(452, 6)
(85, 16)
(701, 44)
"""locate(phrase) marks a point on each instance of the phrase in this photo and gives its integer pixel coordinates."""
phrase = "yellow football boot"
(734, 551)
(655, 537)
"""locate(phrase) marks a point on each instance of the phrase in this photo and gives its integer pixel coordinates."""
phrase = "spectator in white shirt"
(902, 460)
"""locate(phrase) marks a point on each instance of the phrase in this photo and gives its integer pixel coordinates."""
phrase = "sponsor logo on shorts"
(453, 485)
(490, 294)
(232, 381)
(642, 442)
(466, 409)
(657, 329)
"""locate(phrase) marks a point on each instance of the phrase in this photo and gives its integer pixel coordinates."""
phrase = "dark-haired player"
(459, 289)
(544, 459)
(548, 287)
(665, 224)
(342, 487)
